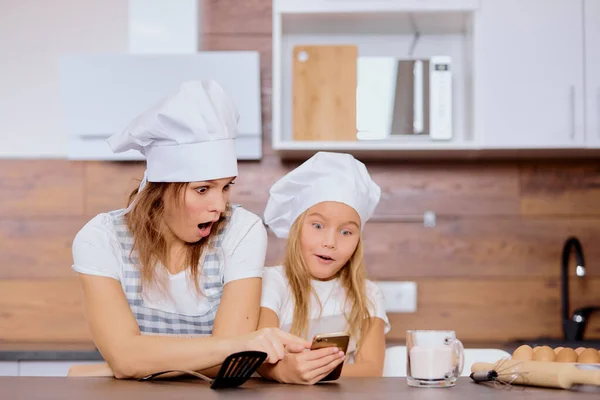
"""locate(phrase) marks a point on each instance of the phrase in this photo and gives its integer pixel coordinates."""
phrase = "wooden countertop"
(358, 388)
(48, 351)
(46, 346)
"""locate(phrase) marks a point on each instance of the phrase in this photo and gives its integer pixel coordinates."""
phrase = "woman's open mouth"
(204, 225)
(204, 228)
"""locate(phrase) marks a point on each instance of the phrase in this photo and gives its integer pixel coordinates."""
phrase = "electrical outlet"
(400, 297)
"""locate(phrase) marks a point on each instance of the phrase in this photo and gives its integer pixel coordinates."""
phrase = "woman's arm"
(239, 308)
(371, 355)
(268, 319)
(127, 352)
(238, 312)
(237, 315)
(132, 355)
(244, 250)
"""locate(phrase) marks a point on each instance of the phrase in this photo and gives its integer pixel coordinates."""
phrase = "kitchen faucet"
(574, 327)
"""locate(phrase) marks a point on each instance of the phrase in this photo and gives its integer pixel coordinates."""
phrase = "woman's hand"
(272, 341)
(308, 367)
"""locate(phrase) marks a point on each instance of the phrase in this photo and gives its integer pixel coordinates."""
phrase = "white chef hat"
(187, 137)
(323, 177)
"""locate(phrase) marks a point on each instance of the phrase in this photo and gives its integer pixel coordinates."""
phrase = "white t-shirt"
(96, 251)
(277, 296)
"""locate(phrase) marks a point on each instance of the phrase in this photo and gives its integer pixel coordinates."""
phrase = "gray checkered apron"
(157, 322)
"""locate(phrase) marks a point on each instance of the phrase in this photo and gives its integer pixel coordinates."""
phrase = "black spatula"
(235, 370)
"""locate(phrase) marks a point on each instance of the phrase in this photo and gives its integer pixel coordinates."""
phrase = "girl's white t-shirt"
(277, 296)
(96, 251)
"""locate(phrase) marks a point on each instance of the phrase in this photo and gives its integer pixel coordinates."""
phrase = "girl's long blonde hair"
(145, 222)
(352, 278)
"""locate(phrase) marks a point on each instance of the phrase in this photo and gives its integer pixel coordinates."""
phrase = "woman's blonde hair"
(146, 224)
(352, 278)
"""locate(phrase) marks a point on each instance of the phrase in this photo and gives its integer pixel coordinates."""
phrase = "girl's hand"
(309, 366)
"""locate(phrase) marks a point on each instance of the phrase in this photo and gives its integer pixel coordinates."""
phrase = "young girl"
(322, 207)
(174, 280)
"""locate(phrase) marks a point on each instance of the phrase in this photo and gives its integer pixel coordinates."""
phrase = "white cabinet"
(592, 72)
(49, 368)
(529, 74)
(9, 368)
(383, 29)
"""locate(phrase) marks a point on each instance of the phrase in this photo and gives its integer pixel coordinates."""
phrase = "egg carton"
(579, 356)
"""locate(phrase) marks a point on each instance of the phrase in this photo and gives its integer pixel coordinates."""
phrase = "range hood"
(102, 93)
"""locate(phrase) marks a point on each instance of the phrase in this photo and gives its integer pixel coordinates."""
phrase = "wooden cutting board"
(324, 92)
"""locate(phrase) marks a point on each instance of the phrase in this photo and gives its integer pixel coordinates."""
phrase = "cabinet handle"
(572, 94)
(598, 111)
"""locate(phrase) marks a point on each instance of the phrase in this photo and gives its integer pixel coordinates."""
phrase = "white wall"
(33, 35)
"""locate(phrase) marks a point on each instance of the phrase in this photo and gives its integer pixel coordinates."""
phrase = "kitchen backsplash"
(489, 269)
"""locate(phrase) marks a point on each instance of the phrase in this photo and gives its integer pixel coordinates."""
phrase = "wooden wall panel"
(478, 247)
(447, 188)
(42, 311)
(479, 310)
(108, 184)
(492, 310)
(237, 17)
(253, 183)
(40, 188)
(37, 248)
(470, 248)
(561, 189)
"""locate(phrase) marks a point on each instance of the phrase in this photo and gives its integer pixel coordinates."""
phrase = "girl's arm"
(371, 355)
(300, 367)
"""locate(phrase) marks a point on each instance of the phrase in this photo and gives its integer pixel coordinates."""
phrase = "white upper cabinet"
(592, 72)
(529, 84)
(526, 73)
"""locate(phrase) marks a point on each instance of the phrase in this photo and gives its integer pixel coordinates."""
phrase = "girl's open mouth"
(325, 258)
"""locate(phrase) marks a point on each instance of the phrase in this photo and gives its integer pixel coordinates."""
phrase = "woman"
(174, 280)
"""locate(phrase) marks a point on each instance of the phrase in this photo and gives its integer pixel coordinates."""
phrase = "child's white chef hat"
(323, 177)
(187, 137)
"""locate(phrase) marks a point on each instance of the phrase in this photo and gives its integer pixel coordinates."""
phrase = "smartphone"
(337, 339)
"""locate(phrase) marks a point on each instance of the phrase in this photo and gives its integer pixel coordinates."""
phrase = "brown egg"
(579, 350)
(523, 353)
(544, 353)
(588, 356)
(566, 355)
(536, 348)
(556, 350)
